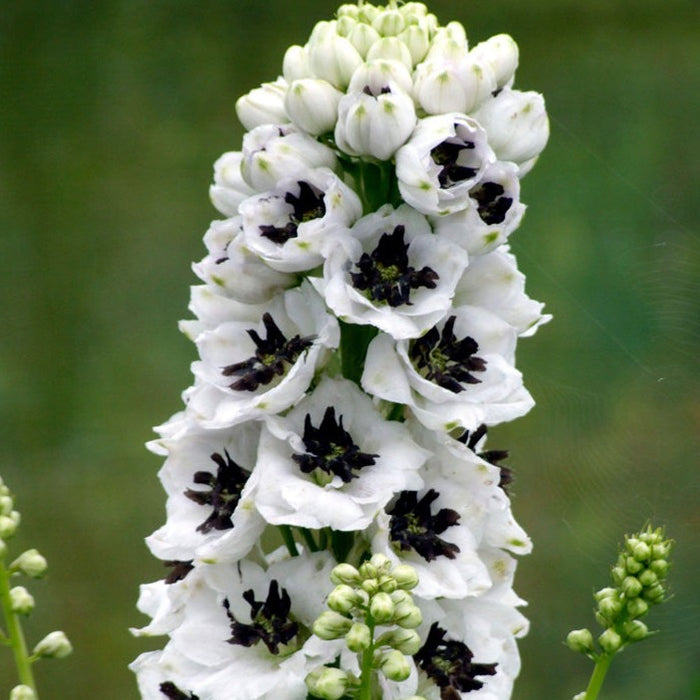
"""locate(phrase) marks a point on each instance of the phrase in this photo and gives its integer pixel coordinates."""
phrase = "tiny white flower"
(333, 461)
(288, 226)
(263, 105)
(493, 282)
(516, 123)
(249, 370)
(442, 161)
(165, 670)
(391, 48)
(233, 270)
(374, 75)
(312, 104)
(272, 152)
(332, 58)
(363, 36)
(494, 212)
(393, 273)
(500, 53)
(459, 374)
(295, 65)
(210, 483)
(229, 188)
(416, 38)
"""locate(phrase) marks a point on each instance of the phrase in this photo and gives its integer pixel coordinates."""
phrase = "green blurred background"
(112, 113)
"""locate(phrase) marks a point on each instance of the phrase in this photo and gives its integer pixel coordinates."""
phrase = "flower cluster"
(356, 331)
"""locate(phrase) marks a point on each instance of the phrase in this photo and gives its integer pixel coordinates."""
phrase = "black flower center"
(491, 204)
(471, 440)
(172, 692)
(413, 526)
(270, 622)
(384, 90)
(272, 356)
(178, 570)
(454, 158)
(223, 493)
(443, 359)
(449, 664)
(330, 450)
(385, 273)
(307, 205)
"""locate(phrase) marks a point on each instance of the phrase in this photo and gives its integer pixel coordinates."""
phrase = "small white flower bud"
(22, 692)
(345, 25)
(618, 574)
(9, 524)
(414, 11)
(641, 551)
(391, 47)
(295, 64)
(377, 74)
(406, 577)
(229, 188)
(580, 641)
(368, 570)
(387, 583)
(655, 593)
(516, 123)
(370, 585)
(381, 563)
(500, 53)
(6, 504)
(632, 565)
(407, 641)
(610, 641)
(631, 587)
(54, 645)
(327, 683)
(263, 105)
(331, 625)
(389, 23)
(395, 666)
(312, 104)
(358, 637)
(342, 599)
(609, 608)
(381, 607)
(608, 592)
(345, 573)
(637, 607)
(416, 38)
(659, 567)
(368, 12)
(661, 550)
(334, 59)
(648, 578)
(348, 10)
(363, 37)
(30, 563)
(635, 630)
(21, 600)
(408, 615)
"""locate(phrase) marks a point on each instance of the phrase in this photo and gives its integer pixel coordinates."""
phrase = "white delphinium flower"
(443, 160)
(229, 188)
(517, 126)
(493, 282)
(392, 273)
(288, 226)
(249, 370)
(312, 104)
(166, 674)
(493, 212)
(210, 482)
(233, 270)
(459, 374)
(263, 105)
(333, 461)
(272, 152)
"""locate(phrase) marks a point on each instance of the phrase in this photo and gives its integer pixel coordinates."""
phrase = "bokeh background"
(111, 115)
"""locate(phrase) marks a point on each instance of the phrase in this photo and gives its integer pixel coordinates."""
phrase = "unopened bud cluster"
(18, 601)
(639, 578)
(373, 596)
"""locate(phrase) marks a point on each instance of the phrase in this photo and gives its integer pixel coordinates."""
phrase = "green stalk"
(367, 666)
(14, 632)
(288, 537)
(598, 676)
(354, 340)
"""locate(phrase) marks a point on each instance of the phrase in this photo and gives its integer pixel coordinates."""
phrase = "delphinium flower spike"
(639, 583)
(356, 327)
(17, 602)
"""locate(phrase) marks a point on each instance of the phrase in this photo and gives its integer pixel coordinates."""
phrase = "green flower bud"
(631, 587)
(389, 23)
(406, 577)
(641, 551)
(348, 10)
(392, 48)
(370, 585)
(659, 567)
(362, 37)
(637, 607)
(661, 550)
(632, 565)
(345, 573)
(395, 666)
(368, 13)
(9, 524)
(30, 563)
(54, 645)
(381, 562)
(358, 637)
(408, 615)
(609, 608)
(580, 640)
(22, 692)
(618, 574)
(407, 641)
(381, 607)
(401, 596)
(648, 578)
(417, 41)
(654, 594)
(345, 25)
(387, 583)
(635, 631)
(331, 625)
(21, 600)
(607, 592)
(368, 571)
(6, 504)
(342, 599)
(327, 683)
(610, 641)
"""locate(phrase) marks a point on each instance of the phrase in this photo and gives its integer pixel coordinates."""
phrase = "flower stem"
(14, 632)
(598, 676)
(288, 537)
(367, 667)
